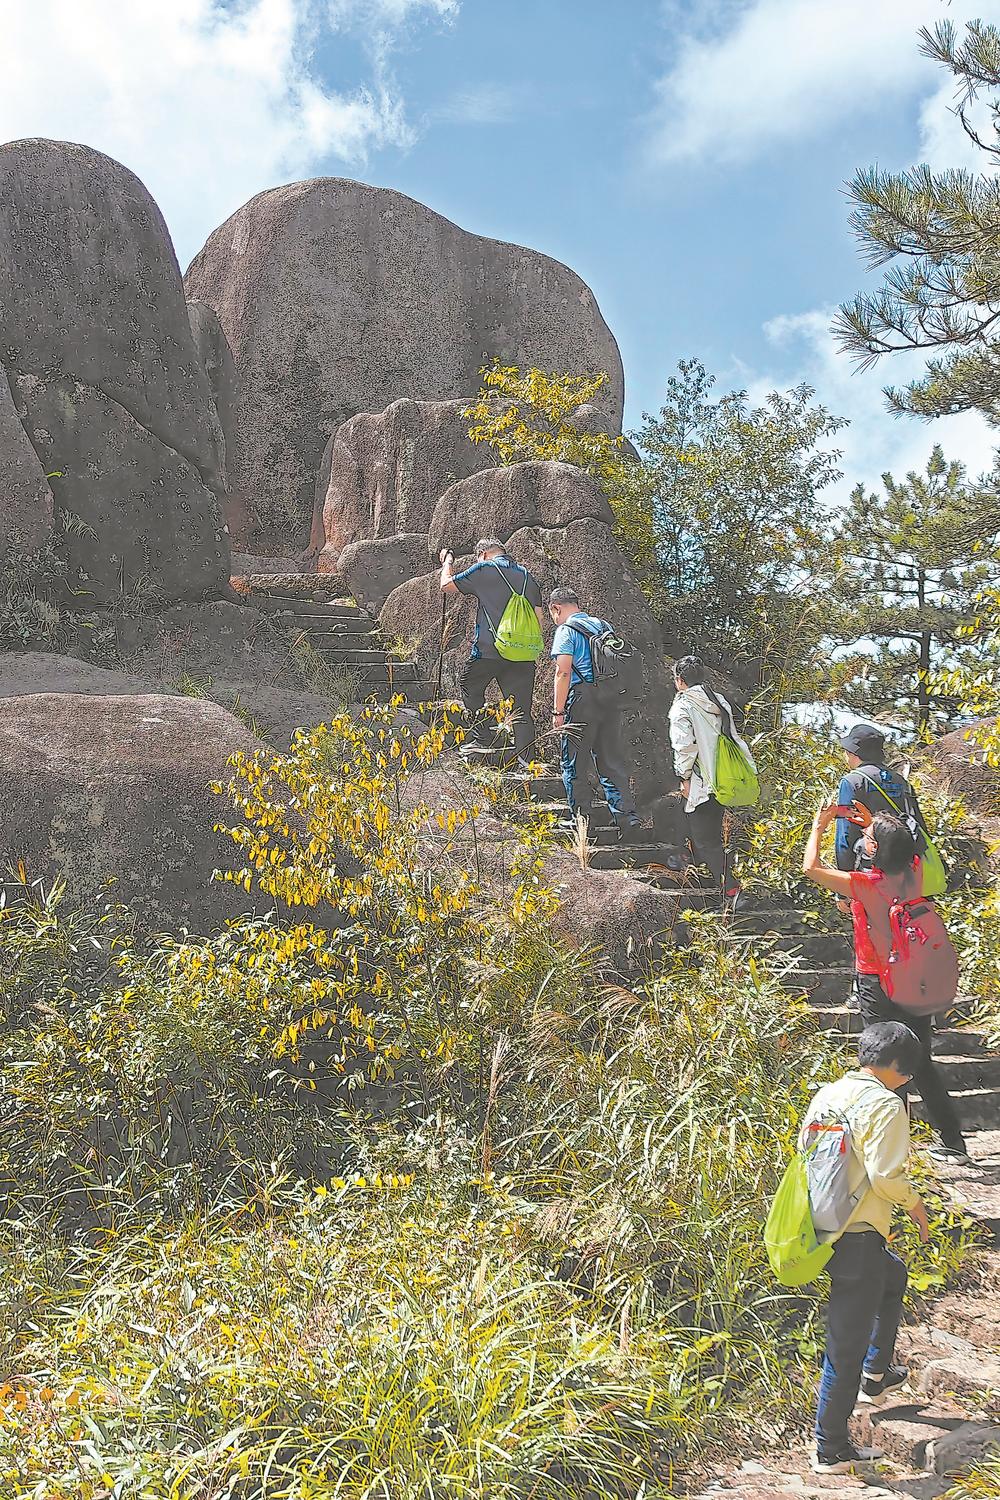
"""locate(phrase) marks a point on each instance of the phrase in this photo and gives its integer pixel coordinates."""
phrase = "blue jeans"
(592, 744)
(867, 1283)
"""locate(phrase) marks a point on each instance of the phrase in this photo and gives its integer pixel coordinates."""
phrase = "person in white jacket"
(696, 717)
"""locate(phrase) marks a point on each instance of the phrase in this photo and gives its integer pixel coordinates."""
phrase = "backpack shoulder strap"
(514, 593)
(904, 811)
(584, 630)
(727, 718)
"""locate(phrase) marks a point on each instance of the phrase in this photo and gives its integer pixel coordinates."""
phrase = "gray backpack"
(827, 1147)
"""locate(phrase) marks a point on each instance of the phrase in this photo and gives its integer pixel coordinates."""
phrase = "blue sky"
(686, 158)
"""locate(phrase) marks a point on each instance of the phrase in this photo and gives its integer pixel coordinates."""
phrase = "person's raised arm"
(813, 866)
(448, 572)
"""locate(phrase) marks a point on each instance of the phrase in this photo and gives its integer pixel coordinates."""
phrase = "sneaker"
(955, 1152)
(844, 1461)
(875, 1388)
(470, 747)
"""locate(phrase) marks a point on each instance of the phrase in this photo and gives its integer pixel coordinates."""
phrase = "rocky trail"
(949, 1413)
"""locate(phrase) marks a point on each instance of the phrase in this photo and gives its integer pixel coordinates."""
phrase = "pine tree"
(939, 233)
(916, 556)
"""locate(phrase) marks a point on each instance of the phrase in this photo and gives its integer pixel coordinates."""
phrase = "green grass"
(489, 1228)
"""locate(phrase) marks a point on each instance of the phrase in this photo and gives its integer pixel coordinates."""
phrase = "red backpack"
(921, 972)
(922, 975)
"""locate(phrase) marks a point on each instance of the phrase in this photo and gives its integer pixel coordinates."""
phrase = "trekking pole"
(444, 608)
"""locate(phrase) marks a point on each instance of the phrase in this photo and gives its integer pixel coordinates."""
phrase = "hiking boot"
(875, 1388)
(844, 1461)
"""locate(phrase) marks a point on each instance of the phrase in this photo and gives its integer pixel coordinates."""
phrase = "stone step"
(820, 949)
(977, 1109)
(934, 1436)
(962, 1071)
(822, 987)
(632, 856)
(347, 655)
(359, 639)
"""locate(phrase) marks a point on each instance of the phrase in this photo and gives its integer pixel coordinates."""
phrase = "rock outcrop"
(220, 372)
(369, 571)
(959, 764)
(498, 502)
(98, 789)
(274, 713)
(585, 556)
(383, 473)
(26, 508)
(110, 392)
(338, 298)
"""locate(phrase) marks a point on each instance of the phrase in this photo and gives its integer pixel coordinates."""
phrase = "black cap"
(864, 740)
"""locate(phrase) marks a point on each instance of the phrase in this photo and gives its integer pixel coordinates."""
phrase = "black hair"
(896, 846)
(889, 1044)
(690, 669)
(564, 596)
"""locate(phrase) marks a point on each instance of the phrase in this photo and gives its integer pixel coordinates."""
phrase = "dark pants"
(515, 679)
(867, 1283)
(875, 1005)
(593, 742)
(705, 837)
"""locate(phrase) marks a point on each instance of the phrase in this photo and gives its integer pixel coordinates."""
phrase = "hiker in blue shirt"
(876, 786)
(591, 733)
(491, 580)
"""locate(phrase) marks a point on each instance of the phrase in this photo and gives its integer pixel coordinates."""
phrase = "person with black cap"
(874, 785)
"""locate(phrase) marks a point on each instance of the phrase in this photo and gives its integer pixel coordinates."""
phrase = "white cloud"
(756, 73)
(876, 441)
(208, 101)
(482, 104)
(943, 141)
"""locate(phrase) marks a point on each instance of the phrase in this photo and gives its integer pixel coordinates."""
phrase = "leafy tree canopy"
(939, 234)
(914, 558)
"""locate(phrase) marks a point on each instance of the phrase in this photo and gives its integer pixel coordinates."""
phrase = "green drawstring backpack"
(795, 1254)
(932, 866)
(735, 778)
(518, 634)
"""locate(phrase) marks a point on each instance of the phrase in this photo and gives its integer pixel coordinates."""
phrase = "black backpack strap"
(727, 718)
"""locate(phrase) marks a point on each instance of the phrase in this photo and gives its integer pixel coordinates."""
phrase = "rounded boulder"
(111, 794)
(338, 298)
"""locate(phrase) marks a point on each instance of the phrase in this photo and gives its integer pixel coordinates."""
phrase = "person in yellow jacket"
(867, 1280)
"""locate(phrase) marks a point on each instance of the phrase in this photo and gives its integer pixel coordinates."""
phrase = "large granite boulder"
(958, 763)
(111, 394)
(371, 570)
(498, 502)
(338, 298)
(585, 556)
(97, 790)
(220, 372)
(26, 508)
(383, 473)
(272, 713)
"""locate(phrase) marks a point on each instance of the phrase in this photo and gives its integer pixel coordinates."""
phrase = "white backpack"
(826, 1144)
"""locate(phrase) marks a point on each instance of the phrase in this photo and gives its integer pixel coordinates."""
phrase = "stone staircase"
(819, 960)
(949, 1414)
(343, 636)
(931, 1430)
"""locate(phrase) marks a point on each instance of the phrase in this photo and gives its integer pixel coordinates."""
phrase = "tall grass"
(277, 1227)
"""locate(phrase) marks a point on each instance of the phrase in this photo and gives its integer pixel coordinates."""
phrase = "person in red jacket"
(891, 851)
